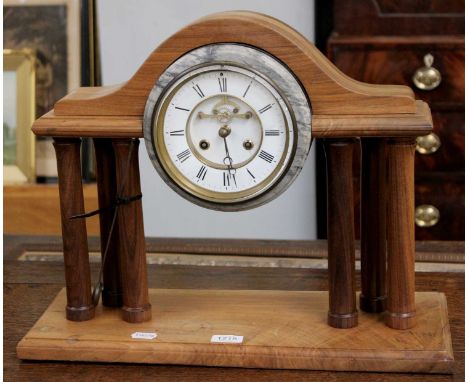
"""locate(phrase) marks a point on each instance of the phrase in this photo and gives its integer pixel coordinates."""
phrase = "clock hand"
(246, 115)
(203, 115)
(228, 159)
(223, 132)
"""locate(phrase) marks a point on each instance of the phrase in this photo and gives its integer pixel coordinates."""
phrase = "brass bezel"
(202, 193)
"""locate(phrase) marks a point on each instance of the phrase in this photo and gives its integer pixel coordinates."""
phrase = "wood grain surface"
(319, 77)
(346, 125)
(280, 329)
(79, 306)
(336, 99)
(400, 305)
(29, 288)
(132, 248)
(388, 46)
(390, 60)
(34, 209)
(418, 19)
(340, 228)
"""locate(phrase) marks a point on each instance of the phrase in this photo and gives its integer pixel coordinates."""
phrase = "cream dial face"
(223, 133)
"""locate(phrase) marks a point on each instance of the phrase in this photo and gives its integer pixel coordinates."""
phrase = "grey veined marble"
(272, 70)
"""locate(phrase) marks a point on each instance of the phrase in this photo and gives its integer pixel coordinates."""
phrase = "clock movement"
(228, 107)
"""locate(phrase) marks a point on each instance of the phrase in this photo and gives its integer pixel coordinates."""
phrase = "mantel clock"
(227, 126)
(228, 107)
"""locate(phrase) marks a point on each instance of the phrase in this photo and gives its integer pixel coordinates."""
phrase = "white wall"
(129, 31)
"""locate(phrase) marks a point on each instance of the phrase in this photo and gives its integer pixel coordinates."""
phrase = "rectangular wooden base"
(281, 330)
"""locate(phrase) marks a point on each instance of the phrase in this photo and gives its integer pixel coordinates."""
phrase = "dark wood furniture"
(29, 287)
(385, 42)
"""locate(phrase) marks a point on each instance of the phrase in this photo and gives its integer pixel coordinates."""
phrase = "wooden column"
(400, 305)
(107, 192)
(373, 225)
(340, 210)
(75, 243)
(132, 254)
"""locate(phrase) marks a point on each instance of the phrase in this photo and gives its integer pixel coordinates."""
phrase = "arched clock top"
(319, 76)
(336, 99)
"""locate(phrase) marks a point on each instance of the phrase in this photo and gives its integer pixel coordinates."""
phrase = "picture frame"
(19, 73)
(73, 38)
(52, 29)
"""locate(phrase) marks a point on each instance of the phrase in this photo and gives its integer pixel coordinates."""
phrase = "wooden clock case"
(281, 329)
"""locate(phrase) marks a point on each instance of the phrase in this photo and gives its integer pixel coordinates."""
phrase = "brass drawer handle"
(427, 144)
(427, 77)
(426, 215)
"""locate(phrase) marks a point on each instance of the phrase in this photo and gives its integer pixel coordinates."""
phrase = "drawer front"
(399, 17)
(435, 7)
(446, 193)
(393, 63)
(444, 149)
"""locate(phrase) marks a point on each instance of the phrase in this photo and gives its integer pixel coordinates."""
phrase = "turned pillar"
(132, 252)
(340, 225)
(400, 305)
(107, 192)
(373, 225)
(75, 243)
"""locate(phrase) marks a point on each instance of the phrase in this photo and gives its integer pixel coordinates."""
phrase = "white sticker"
(227, 339)
(144, 336)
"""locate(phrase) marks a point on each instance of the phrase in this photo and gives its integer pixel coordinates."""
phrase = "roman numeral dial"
(265, 108)
(184, 155)
(224, 134)
(202, 173)
(222, 81)
(272, 133)
(177, 133)
(267, 157)
(198, 90)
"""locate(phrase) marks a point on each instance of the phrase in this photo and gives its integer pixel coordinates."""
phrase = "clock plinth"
(316, 100)
(293, 334)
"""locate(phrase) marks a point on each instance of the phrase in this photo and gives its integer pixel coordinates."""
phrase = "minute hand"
(228, 159)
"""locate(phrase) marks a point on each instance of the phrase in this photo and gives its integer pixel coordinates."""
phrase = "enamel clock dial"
(227, 126)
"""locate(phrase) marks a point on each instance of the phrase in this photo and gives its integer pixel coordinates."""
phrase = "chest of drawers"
(395, 42)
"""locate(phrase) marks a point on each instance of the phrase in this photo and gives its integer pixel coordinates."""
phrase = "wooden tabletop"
(29, 286)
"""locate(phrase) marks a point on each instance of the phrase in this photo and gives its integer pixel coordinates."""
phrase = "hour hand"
(203, 115)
